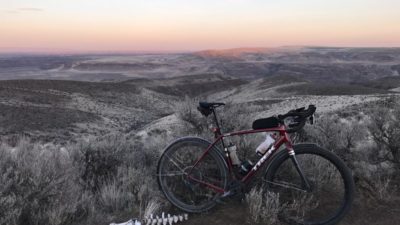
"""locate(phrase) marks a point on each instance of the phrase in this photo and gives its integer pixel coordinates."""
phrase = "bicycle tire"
(214, 157)
(313, 150)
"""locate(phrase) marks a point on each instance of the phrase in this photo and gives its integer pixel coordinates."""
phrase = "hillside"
(91, 136)
(316, 64)
(66, 110)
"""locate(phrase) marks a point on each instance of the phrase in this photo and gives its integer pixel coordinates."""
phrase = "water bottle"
(265, 145)
(233, 154)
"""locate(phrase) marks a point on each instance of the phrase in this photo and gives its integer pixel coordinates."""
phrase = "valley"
(107, 118)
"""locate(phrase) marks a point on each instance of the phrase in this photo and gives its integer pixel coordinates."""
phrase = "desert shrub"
(377, 157)
(264, 207)
(367, 141)
(299, 207)
(335, 134)
(38, 182)
(267, 207)
(152, 207)
(102, 159)
(380, 188)
(384, 127)
(384, 188)
(89, 182)
(140, 186)
(98, 160)
(330, 89)
(186, 110)
(238, 116)
(231, 116)
(118, 172)
(254, 200)
(114, 197)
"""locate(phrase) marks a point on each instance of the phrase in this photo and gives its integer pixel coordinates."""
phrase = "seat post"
(215, 118)
(219, 128)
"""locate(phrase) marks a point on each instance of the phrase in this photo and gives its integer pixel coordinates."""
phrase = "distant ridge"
(229, 52)
(237, 52)
(234, 52)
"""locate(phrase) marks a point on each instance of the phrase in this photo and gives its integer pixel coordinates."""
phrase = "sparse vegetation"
(80, 152)
(367, 140)
(330, 89)
(264, 207)
(84, 182)
(384, 188)
(186, 111)
(384, 127)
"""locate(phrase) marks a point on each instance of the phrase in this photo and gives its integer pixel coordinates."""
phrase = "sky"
(191, 25)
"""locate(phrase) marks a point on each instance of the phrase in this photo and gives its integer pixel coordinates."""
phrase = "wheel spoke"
(175, 163)
(188, 187)
(328, 179)
(286, 185)
(173, 173)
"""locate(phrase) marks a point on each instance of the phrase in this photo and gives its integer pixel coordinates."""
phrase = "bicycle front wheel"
(320, 193)
(176, 172)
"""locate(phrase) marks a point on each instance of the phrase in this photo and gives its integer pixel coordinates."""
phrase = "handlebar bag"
(270, 122)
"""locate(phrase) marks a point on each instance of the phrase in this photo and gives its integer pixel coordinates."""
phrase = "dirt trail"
(362, 213)
(232, 212)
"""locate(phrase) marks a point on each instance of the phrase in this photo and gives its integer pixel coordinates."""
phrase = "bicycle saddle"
(206, 108)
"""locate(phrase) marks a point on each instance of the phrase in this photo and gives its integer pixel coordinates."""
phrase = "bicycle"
(313, 184)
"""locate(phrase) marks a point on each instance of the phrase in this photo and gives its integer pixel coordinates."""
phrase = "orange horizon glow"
(178, 25)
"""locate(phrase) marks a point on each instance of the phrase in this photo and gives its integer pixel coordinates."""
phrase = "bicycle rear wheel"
(331, 186)
(175, 164)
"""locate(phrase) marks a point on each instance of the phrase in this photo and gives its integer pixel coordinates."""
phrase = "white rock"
(170, 219)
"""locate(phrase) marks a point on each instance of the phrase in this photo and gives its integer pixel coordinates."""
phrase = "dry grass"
(109, 176)
(329, 89)
(367, 141)
(264, 207)
(86, 182)
(152, 207)
(39, 181)
(115, 198)
(187, 111)
(384, 188)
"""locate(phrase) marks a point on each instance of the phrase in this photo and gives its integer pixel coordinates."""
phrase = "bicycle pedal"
(232, 192)
(227, 194)
(224, 196)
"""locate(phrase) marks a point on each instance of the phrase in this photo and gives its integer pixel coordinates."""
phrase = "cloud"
(10, 11)
(31, 9)
(22, 10)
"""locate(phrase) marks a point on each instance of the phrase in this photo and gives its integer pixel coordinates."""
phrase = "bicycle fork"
(296, 164)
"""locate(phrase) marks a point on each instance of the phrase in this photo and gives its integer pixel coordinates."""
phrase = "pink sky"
(189, 25)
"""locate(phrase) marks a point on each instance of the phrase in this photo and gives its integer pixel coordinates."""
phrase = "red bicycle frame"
(283, 139)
